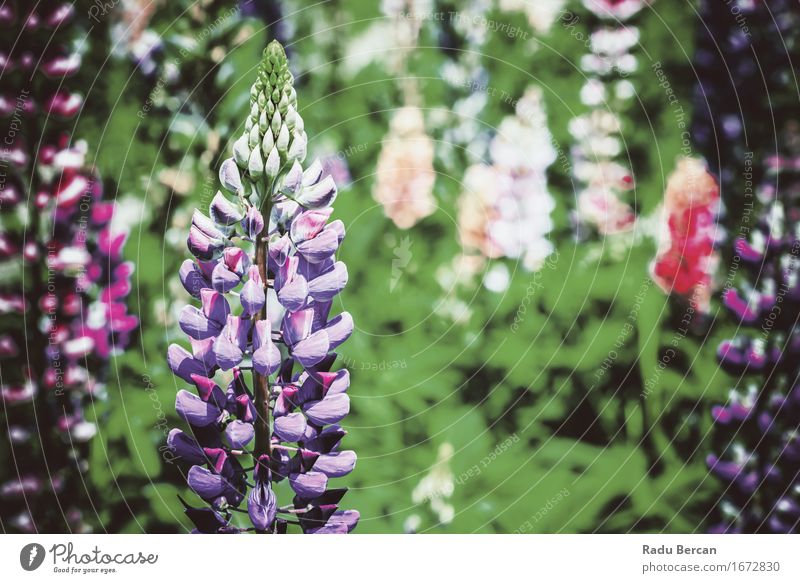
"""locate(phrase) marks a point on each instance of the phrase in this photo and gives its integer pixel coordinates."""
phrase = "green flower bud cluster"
(274, 136)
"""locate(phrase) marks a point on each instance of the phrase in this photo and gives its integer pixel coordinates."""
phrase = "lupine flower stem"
(261, 382)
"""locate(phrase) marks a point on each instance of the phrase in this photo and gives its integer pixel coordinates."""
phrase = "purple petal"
(253, 223)
(223, 279)
(294, 177)
(294, 295)
(324, 287)
(313, 173)
(308, 485)
(195, 324)
(223, 211)
(349, 518)
(184, 447)
(194, 410)
(290, 427)
(286, 401)
(342, 522)
(315, 387)
(282, 215)
(338, 227)
(336, 464)
(338, 384)
(331, 409)
(327, 440)
(297, 326)
(207, 268)
(237, 260)
(203, 351)
(209, 391)
(202, 246)
(318, 515)
(227, 352)
(320, 247)
(245, 410)
(721, 414)
(317, 196)
(239, 434)
(312, 271)
(309, 224)
(339, 329)
(262, 506)
(206, 484)
(741, 309)
(206, 226)
(229, 176)
(731, 355)
(747, 252)
(306, 458)
(266, 356)
(183, 365)
(287, 271)
(252, 296)
(215, 306)
(726, 470)
(321, 312)
(279, 252)
(239, 330)
(312, 350)
(334, 528)
(216, 458)
(206, 520)
(192, 278)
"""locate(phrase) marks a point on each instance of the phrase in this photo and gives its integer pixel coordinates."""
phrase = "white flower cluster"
(506, 205)
(436, 488)
(599, 146)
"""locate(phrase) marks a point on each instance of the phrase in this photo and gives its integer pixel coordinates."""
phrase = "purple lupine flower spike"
(756, 448)
(265, 275)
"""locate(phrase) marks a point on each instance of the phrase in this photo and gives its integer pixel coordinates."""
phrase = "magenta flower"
(616, 9)
(64, 283)
(265, 291)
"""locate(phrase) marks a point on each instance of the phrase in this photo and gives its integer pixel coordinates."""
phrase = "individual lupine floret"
(266, 289)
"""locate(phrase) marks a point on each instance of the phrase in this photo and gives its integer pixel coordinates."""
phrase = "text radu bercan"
(677, 550)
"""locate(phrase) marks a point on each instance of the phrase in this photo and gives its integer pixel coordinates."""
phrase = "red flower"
(686, 265)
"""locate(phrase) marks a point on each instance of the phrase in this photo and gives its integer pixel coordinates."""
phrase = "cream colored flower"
(541, 13)
(405, 176)
(437, 486)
